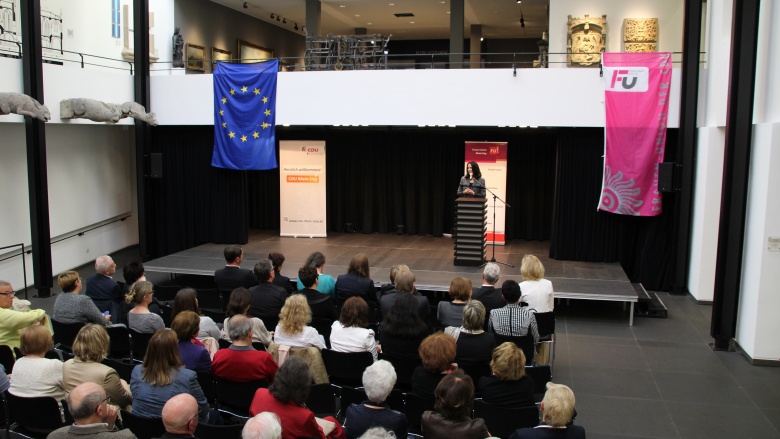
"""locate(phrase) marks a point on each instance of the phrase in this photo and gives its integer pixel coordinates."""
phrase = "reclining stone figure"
(18, 103)
(80, 108)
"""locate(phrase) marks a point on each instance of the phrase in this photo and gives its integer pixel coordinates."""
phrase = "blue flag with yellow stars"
(245, 116)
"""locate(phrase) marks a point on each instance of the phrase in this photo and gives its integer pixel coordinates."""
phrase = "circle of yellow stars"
(267, 113)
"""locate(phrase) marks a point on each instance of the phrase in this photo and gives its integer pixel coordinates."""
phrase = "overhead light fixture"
(278, 18)
(272, 15)
(246, 6)
(284, 21)
(481, 39)
(296, 26)
(519, 1)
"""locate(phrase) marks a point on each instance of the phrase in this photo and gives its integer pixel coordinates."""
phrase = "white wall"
(758, 325)
(669, 13)
(463, 97)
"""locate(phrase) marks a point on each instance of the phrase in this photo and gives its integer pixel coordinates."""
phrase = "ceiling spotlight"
(522, 19)
(272, 15)
(246, 6)
(278, 18)
(519, 1)
(284, 21)
(296, 26)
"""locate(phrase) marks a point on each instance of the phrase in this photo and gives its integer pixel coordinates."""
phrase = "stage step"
(649, 305)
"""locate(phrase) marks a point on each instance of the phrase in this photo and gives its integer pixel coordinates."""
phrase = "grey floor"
(657, 379)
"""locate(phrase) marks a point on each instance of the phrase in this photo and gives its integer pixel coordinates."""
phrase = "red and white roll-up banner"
(491, 158)
(302, 196)
(637, 107)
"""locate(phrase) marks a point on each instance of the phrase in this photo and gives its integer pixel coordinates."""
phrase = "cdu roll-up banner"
(491, 158)
(637, 107)
(302, 196)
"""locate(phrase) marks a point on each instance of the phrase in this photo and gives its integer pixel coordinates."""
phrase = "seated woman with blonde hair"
(293, 329)
(72, 307)
(557, 413)
(90, 348)
(508, 386)
(140, 319)
(537, 292)
(33, 374)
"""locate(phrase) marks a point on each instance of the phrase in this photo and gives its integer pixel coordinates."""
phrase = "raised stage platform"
(430, 258)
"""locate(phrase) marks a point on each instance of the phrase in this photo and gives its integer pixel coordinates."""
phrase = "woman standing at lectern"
(472, 184)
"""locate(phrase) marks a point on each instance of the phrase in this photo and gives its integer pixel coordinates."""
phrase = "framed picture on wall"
(195, 57)
(220, 55)
(248, 52)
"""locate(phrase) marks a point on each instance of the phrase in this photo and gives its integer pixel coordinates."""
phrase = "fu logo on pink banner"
(627, 79)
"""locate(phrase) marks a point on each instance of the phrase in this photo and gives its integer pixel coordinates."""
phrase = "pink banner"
(637, 103)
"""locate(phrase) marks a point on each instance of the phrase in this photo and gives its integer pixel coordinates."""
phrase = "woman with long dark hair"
(357, 281)
(472, 184)
(402, 330)
(240, 301)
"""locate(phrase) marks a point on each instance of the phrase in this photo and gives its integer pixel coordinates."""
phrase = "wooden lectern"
(470, 231)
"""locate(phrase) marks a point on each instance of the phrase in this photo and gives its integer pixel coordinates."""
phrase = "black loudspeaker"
(666, 177)
(155, 165)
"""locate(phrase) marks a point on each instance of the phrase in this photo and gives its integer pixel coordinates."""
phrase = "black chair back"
(321, 400)
(139, 341)
(143, 428)
(223, 344)
(167, 314)
(166, 293)
(351, 395)
(123, 367)
(414, 408)
(119, 342)
(475, 370)
(259, 346)
(346, 368)
(7, 358)
(206, 381)
(545, 321)
(526, 343)
(404, 369)
(210, 298)
(65, 333)
(235, 398)
(216, 314)
(323, 327)
(541, 374)
(206, 431)
(502, 421)
(270, 321)
(34, 414)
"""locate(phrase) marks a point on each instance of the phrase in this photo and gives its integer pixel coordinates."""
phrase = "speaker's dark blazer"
(231, 277)
(348, 285)
(104, 291)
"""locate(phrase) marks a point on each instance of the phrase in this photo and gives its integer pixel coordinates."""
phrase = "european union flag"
(245, 116)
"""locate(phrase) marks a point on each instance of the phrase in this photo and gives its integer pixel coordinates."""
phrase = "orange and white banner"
(491, 158)
(302, 196)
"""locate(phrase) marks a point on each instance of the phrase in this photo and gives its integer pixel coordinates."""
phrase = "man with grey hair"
(180, 417)
(102, 288)
(487, 293)
(241, 362)
(378, 381)
(93, 414)
(263, 425)
(12, 321)
(267, 298)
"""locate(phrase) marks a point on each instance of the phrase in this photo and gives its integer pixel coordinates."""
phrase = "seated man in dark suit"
(267, 299)
(233, 276)
(487, 293)
(102, 288)
(322, 307)
(404, 284)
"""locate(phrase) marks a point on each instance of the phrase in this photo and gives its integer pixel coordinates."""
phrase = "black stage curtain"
(642, 245)
(193, 203)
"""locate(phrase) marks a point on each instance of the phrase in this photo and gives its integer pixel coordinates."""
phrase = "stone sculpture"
(79, 108)
(587, 38)
(178, 49)
(24, 105)
(640, 34)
